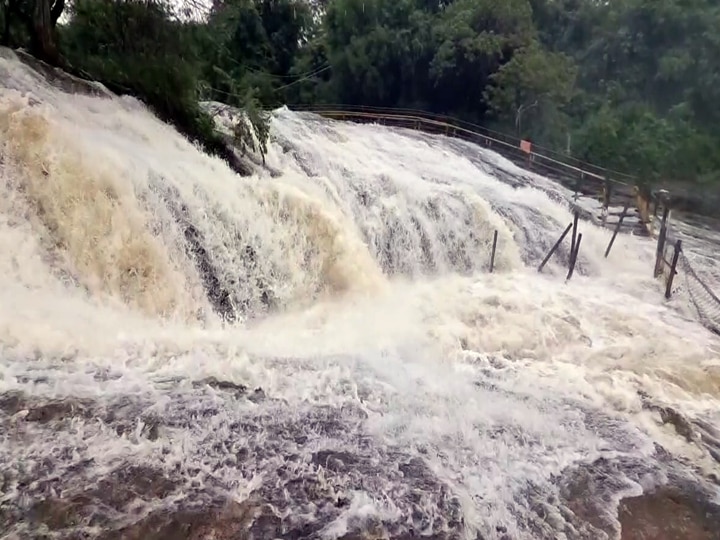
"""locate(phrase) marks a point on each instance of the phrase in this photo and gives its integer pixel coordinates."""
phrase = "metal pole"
(574, 233)
(673, 271)
(492, 256)
(554, 248)
(574, 257)
(661, 241)
(617, 228)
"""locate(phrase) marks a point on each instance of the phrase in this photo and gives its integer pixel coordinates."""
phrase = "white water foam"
(400, 381)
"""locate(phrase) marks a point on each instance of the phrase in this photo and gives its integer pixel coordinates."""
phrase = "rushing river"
(321, 352)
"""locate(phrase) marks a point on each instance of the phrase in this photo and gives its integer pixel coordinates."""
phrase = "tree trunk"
(5, 40)
(44, 44)
(9, 7)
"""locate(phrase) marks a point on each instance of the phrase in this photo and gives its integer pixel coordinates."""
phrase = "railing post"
(574, 233)
(617, 228)
(492, 255)
(660, 251)
(573, 257)
(554, 248)
(673, 271)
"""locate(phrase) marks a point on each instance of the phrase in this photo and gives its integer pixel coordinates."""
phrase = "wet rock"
(219, 293)
(57, 513)
(695, 431)
(580, 493)
(151, 430)
(99, 505)
(681, 424)
(123, 416)
(258, 396)
(668, 514)
(218, 296)
(416, 469)
(127, 484)
(228, 522)
(221, 385)
(62, 497)
(39, 379)
(61, 79)
(334, 461)
(58, 410)
(12, 402)
(681, 508)
(410, 535)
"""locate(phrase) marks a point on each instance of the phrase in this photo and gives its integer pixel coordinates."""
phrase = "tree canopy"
(632, 85)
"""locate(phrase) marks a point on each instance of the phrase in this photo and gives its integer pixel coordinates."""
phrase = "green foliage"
(251, 46)
(252, 133)
(534, 84)
(142, 47)
(631, 84)
(135, 45)
(139, 47)
(648, 70)
(475, 38)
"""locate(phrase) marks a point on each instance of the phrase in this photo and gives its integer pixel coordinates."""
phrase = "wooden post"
(659, 253)
(617, 228)
(573, 257)
(574, 233)
(492, 256)
(554, 248)
(673, 271)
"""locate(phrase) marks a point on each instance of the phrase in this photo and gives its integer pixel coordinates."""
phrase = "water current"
(321, 351)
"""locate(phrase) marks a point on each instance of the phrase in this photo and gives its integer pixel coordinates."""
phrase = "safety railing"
(670, 258)
(701, 293)
(517, 150)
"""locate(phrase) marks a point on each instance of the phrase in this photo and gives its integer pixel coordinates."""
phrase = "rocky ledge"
(72, 496)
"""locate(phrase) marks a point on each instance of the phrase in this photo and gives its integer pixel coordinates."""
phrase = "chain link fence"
(700, 284)
(702, 295)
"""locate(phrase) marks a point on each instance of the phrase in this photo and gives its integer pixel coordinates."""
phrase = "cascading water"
(381, 383)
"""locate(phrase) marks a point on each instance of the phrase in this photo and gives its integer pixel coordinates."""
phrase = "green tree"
(633, 83)
(378, 51)
(475, 38)
(534, 84)
(142, 48)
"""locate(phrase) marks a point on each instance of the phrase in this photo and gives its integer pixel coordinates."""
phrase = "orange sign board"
(525, 146)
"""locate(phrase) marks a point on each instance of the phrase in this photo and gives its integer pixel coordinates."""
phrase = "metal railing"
(584, 179)
(537, 158)
(551, 163)
(702, 296)
(700, 293)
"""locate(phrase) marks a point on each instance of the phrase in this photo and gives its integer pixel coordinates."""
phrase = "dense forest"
(632, 85)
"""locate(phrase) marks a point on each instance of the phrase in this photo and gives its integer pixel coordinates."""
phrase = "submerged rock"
(669, 514)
